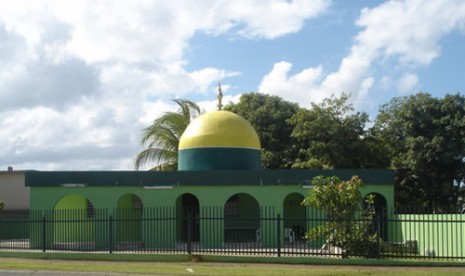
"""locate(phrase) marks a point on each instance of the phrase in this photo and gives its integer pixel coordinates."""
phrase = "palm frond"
(159, 155)
(161, 138)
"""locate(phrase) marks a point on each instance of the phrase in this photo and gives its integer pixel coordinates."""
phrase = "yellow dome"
(219, 129)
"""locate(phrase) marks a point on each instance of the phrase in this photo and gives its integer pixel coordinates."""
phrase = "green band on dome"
(198, 159)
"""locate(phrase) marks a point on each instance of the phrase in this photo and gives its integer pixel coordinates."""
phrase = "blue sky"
(79, 80)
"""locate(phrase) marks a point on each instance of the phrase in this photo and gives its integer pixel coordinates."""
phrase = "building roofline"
(14, 172)
(198, 178)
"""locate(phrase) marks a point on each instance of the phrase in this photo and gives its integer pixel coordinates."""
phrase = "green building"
(219, 176)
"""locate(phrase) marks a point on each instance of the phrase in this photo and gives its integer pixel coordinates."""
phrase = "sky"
(80, 80)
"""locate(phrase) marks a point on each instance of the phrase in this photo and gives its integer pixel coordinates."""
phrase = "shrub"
(349, 226)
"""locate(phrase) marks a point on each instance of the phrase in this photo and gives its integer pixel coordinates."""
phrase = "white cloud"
(89, 133)
(407, 83)
(40, 83)
(79, 80)
(205, 77)
(271, 19)
(407, 32)
(156, 31)
(298, 88)
(410, 29)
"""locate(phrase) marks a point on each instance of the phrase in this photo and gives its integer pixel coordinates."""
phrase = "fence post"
(278, 236)
(44, 234)
(110, 234)
(189, 232)
(378, 231)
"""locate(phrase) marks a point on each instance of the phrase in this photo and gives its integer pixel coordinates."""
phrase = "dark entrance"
(241, 219)
(189, 212)
(294, 220)
(381, 215)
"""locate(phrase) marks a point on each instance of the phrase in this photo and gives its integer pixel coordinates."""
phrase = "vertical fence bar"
(460, 230)
(44, 234)
(278, 233)
(414, 229)
(189, 233)
(110, 234)
(458, 247)
(378, 240)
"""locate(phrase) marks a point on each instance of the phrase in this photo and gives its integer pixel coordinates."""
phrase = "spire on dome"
(220, 97)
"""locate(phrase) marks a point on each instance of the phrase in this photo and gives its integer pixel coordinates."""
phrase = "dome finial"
(219, 96)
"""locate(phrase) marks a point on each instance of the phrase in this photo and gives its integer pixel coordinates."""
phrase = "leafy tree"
(342, 202)
(425, 137)
(268, 115)
(433, 148)
(162, 137)
(331, 135)
(2, 205)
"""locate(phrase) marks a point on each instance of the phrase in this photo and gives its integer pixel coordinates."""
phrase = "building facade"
(219, 175)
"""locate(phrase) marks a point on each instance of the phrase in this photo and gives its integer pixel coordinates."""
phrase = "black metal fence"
(208, 231)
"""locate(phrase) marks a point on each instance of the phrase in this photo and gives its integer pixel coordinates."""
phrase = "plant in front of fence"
(349, 229)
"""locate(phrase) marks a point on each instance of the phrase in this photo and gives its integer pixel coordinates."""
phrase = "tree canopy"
(425, 138)
(269, 115)
(331, 136)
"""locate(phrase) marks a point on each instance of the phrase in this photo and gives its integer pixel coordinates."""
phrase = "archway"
(74, 224)
(294, 215)
(241, 218)
(129, 221)
(187, 209)
(381, 214)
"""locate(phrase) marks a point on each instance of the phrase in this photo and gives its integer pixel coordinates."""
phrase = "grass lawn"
(216, 268)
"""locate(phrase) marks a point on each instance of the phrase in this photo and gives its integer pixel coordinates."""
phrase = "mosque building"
(219, 174)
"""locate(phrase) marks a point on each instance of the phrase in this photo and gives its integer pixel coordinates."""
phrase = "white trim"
(73, 185)
(158, 187)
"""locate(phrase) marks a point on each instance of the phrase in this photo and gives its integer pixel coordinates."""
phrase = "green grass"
(231, 259)
(207, 268)
(221, 265)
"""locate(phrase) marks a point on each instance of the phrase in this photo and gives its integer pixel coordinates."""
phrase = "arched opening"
(128, 218)
(187, 209)
(74, 225)
(241, 218)
(381, 214)
(294, 217)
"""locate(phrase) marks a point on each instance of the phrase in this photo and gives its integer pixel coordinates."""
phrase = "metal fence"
(207, 230)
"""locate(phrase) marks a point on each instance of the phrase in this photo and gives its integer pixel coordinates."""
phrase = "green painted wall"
(442, 234)
(129, 226)
(71, 202)
(128, 219)
(45, 198)
(73, 221)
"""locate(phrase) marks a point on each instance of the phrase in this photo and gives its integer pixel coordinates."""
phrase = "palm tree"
(162, 137)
